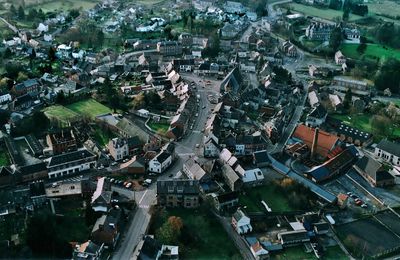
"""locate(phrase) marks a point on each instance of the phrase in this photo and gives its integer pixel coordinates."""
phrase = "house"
(169, 48)
(106, 230)
(241, 223)
(195, 172)
(336, 102)
(234, 7)
(101, 198)
(66, 188)
(231, 177)
(388, 151)
(71, 162)
(33, 172)
(87, 251)
(152, 249)
(185, 39)
(339, 58)
(289, 49)
(225, 201)
(185, 65)
(30, 86)
(317, 116)
(321, 228)
(64, 51)
(319, 31)
(118, 148)
(161, 162)
(60, 142)
(37, 193)
(342, 200)
(324, 142)
(258, 251)
(133, 166)
(261, 159)
(5, 97)
(252, 177)
(374, 172)
(211, 147)
(313, 98)
(178, 193)
(229, 31)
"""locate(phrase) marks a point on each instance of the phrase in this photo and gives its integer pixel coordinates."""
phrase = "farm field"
(328, 14)
(63, 5)
(373, 51)
(89, 107)
(390, 8)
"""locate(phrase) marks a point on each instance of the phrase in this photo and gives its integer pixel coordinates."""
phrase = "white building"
(389, 152)
(64, 51)
(118, 148)
(69, 163)
(5, 98)
(241, 222)
(161, 162)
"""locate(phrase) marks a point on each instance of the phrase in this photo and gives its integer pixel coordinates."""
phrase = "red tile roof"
(326, 141)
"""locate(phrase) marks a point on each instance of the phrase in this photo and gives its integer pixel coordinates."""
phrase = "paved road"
(145, 199)
(10, 26)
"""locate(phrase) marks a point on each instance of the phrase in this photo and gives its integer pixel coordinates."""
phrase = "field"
(62, 5)
(205, 238)
(89, 107)
(389, 8)
(328, 14)
(373, 51)
(274, 199)
(60, 113)
(356, 236)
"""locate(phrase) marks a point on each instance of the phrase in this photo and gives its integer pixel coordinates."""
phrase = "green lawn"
(102, 136)
(328, 14)
(4, 158)
(206, 238)
(372, 52)
(159, 127)
(275, 199)
(334, 253)
(65, 5)
(60, 113)
(294, 253)
(89, 107)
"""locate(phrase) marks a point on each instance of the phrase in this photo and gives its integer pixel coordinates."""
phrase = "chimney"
(315, 143)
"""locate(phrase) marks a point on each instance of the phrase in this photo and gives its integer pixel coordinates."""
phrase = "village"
(196, 129)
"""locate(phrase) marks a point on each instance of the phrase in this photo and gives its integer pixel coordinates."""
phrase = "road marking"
(140, 201)
(186, 154)
(196, 132)
(144, 206)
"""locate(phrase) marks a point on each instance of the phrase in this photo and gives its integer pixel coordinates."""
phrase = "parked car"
(364, 206)
(128, 185)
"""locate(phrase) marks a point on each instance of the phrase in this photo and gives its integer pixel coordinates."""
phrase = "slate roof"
(186, 187)
(5, 171)
(150, 248)
(228, 196)
(389, 147)
(318, 112)
(373, 168)
(33, 168)
(70, 157)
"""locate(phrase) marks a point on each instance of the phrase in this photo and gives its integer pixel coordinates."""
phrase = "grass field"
(206, 238)
(328, 14)
(89, 107)
(64, 5)
(373, 51)
(294, 253)
(60, 113)
(274, 199)
(390, 8)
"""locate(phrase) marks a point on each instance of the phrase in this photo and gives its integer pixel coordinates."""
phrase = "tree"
(13, 10)
(52, 54)
(335, 4)
(74, 13)
(346, 14)
(261, 8)
(4, 117)
(381, 125)
(347, 99)
(21, 77)
(168, 32)
(388, 76)
(100, 37)
(336, 38)
(32, 14)
(171, 230)
(21, 13)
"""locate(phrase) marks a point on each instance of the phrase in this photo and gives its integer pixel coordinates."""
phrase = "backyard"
(160, 128)
(275, 199)
(373, 51)
(204, 237)
(102, 136)
(89, 107)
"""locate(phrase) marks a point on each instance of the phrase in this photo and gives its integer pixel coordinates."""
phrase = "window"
(72, 187)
